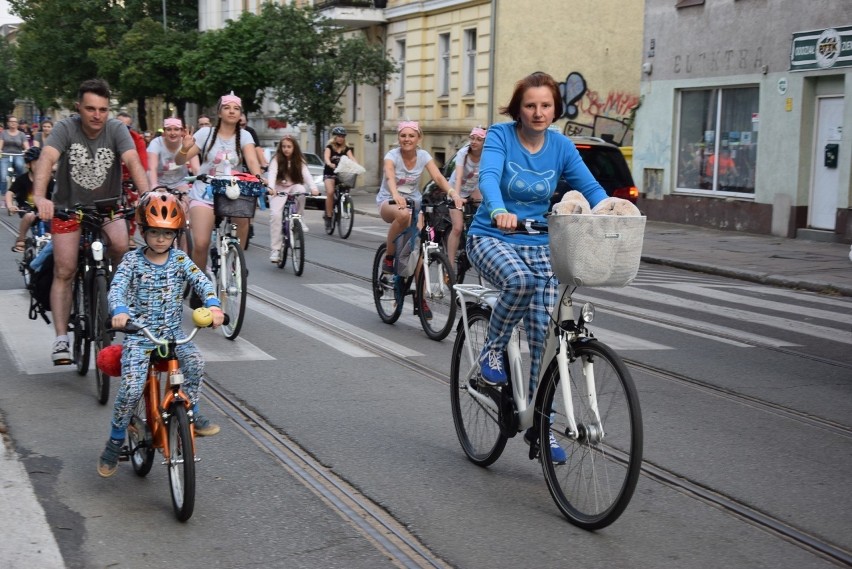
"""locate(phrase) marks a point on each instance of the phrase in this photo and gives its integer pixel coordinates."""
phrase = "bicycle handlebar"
(133, 328)
(529, 226)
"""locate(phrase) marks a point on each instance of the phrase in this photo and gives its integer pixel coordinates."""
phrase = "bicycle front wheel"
(604, 457)
(232, 289)
(140, 440)
(346, 217)
(436, 297)
(475, 405)
(329, 228)
(82, 343)
(384, 294)
(181, 463)
(102, 338)
(298, 248)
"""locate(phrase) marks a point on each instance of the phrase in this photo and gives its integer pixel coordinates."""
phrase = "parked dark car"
(607, 165)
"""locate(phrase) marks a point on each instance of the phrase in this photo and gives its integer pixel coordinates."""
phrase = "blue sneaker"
(557, 453)
(492, 368)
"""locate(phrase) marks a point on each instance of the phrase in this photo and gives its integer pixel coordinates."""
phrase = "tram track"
(694, 489)
(392, 538)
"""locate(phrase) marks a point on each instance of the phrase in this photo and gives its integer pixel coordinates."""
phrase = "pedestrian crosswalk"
(700, 306)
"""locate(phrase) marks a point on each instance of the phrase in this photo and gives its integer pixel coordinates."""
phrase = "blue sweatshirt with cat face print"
(515, 180)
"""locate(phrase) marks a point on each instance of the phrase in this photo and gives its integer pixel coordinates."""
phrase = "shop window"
(717, 140)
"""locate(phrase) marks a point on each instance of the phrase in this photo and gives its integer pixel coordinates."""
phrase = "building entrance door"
(825, 180)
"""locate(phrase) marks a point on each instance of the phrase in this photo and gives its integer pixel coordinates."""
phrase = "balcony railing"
(326, 4)
(353, 14)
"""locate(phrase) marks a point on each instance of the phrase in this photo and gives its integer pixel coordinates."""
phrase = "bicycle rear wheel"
(346, 218)
(181, 464)
(82, 342)
(232, 289)
(475, 405)
(102, 338)
(435, 289)
(298, 248)
(140, 440)
(385, 295)
(596, 483)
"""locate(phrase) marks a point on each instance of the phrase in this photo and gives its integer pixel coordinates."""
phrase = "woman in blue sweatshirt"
(521, 163)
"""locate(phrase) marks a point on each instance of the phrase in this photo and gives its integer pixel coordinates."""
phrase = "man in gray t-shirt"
(89, 149)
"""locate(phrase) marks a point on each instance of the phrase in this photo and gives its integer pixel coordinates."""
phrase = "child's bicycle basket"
(596, 250)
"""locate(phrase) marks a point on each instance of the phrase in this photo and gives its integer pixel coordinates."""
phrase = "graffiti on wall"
(591, 113)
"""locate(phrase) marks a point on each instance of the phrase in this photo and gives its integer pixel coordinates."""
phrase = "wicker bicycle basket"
(243, 206)
(596, 250)
(347, 179)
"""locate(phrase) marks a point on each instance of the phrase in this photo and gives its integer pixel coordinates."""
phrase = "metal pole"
(164, 14)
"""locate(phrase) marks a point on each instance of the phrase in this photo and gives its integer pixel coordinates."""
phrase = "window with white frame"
(400, 61)
(469, 61)
(443, 65)
(717, 139)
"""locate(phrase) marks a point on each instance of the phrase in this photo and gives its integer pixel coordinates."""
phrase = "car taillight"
(630, 193)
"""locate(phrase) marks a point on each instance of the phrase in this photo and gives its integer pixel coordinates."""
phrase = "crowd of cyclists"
(90, 159)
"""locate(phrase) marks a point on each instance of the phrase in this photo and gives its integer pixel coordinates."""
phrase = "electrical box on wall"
(831, 151)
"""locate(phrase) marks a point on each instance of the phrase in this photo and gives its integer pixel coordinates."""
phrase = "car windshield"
(312, 159)
(607, 166)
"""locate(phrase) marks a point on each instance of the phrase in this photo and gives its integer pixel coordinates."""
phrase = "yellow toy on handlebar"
(202, 317)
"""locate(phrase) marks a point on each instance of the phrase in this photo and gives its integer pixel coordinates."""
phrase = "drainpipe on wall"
(491, 67)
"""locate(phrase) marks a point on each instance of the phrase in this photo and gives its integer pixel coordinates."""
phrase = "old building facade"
(744, 105)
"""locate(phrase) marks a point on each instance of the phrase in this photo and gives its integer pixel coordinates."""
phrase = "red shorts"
(62, 226)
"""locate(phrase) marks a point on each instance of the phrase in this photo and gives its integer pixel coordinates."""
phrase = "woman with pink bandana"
(465, 182)
(403, 168)
(163, 170)
(220, 150)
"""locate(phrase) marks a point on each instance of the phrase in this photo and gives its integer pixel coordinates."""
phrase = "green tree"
(64, 42)
(228, 60)
(144, 63)
(7, 69)
(313, 64)
(54, 42)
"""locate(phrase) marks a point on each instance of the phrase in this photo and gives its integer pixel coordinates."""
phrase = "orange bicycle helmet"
(160, 210)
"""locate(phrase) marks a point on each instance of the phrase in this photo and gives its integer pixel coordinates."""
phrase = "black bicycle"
(342, 212)
(89, 305)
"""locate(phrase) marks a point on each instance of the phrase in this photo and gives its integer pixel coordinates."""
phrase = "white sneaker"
(305, 227)
(275, 256)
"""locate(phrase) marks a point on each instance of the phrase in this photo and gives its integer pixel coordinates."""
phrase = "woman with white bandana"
(221, 150)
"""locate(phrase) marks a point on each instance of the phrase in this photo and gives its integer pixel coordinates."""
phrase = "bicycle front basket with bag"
(243, 203)
(596, 250)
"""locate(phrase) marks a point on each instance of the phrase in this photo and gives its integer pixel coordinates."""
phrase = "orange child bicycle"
(162, 420)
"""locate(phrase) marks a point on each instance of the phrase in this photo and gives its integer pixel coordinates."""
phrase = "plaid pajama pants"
(527, 291)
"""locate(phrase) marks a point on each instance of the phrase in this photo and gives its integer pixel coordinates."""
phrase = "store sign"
(822, 49)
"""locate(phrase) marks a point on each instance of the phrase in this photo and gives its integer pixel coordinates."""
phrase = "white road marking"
(321, 335)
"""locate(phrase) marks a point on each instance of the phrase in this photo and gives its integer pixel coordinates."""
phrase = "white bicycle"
(585, 398)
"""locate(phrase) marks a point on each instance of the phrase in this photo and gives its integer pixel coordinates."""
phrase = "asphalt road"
(338, 447)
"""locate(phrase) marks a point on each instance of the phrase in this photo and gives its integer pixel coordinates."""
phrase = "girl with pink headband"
(402, 170)
(220, 151)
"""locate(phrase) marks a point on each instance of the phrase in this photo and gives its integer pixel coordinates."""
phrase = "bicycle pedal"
(124, 455)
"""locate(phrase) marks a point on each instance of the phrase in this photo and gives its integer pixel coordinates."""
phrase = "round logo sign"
(827, 48)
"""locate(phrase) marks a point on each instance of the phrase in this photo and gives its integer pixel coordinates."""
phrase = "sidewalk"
(792, 263)
(26, 539)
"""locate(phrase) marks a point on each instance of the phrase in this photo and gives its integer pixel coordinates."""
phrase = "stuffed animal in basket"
(574, 202)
